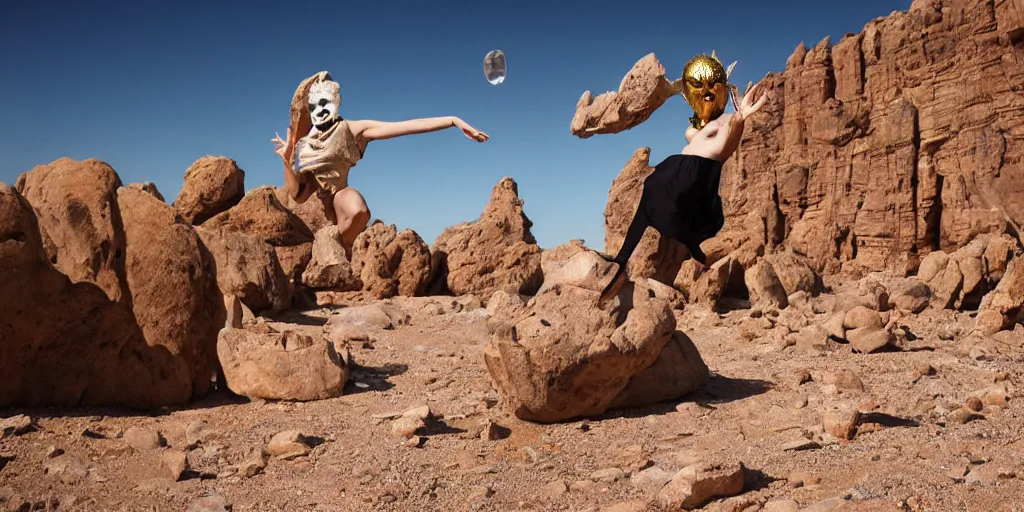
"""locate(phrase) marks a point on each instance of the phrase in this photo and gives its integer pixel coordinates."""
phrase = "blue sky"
(149, 89)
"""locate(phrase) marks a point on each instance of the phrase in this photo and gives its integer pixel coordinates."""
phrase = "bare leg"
(633, 236)
(353, 216)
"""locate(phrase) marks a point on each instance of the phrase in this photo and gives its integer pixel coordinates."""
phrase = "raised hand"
(279, 145)
(753, 100)
(470, 132)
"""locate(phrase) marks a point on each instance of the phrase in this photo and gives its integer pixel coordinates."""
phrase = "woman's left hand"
(470, 132)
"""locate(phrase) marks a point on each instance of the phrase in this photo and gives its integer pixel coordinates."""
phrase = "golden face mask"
(706, 88)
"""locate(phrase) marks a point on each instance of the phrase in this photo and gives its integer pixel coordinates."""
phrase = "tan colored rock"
(213, 184)
(389, 263)
(1002, 307)
(678, 371)
(79, 220)
(575, 265)
(566, 359)
(288, 445)
(281, 366)
(312, 212)
(942, 171)
(911, 296)
(695, 486)
(68, 344)
(329, 268)
(796, 273)
(247, 268)
(869, 339)
(148, 187)
(171, 278)
(764, 286)
(862, 317)
(496, 252)
(642, 91)
(260, 214)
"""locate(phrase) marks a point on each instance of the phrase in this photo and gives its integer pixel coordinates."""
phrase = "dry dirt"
(909, 452)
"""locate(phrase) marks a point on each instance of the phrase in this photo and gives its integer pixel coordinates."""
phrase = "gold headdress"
(706, 88)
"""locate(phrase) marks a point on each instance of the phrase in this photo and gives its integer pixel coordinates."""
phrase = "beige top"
(329, 155)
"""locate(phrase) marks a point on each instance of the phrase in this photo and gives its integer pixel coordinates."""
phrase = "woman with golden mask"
(680, 198)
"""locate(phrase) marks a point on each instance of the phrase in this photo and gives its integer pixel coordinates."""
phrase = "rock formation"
(496, 252)
(213, 184)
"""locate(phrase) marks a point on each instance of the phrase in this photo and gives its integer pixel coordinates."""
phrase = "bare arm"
(296, 188)
(379, 130)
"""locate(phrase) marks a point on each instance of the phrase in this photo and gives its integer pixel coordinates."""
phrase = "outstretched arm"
(380, 130)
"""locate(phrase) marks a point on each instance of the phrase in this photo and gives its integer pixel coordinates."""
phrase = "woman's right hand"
(279, 145)
(470, 132)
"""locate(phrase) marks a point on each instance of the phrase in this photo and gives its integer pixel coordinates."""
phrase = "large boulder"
(66, 343)
(261, 214)
(559, 357)
(496, 252)
(389, 263)
(1004, 306)
(76, 204)
(172, 280)
(281, 365)
(213, 184)
(247, 268)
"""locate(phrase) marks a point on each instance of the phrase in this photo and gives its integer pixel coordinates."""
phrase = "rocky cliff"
(892, 143)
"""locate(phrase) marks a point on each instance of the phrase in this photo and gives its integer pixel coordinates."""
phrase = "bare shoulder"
(358, 126)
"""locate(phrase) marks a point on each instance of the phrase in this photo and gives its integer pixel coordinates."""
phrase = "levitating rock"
(388, 263)
(213, 184)
(329, 268)
(281, 366)
(496, 252)
(561, 357)
(247, 268)
(642, 91)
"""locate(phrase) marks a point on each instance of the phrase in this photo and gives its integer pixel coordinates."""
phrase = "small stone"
(995, 397)
(802, 377)
(555, 489)
(16, 426)
(53, 451)
(781, 506)
(254, 465)
(825, 505)
(651, 479)
(581, 485)
(210, 503)
(861, 317)
(143, 440)
(799, 402)
(696, 485)
(974, 404)
(176, 463)
(963, 416)
(847, 379)
(480, 492)
(406, 426)
(841, 423)
(867, 340)
(288, 445)
(924, 370)
(802, 479)
(608, 475)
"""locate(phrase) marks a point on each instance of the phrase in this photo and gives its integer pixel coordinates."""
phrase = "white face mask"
(324, 101)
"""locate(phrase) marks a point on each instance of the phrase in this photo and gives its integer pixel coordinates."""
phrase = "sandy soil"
(911, 450)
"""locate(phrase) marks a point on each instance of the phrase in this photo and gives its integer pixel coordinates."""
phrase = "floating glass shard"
(494, 67)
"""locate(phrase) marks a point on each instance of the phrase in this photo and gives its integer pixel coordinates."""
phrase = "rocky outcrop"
(261, 214)
(213, 184)
(642, 91)
(894, 142)
(148, 187)
(67, 343)
(171, 277)
(1004, 307)
(76, 204)
(389, 263)
(311, 212)
(496, 252)
(559, 357)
